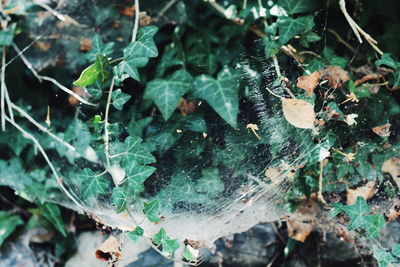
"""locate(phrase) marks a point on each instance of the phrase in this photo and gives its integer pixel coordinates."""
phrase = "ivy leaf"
(151, 210)
(396, 250)
(386, 59)
(92, 183)
(130, 67)
(297, 6)
(373, 224)
(120, 198)
(119, 99)
(144, 46)
(7, 35)
(187, 254)
(96, 71)
(169, 245)
(159, 237)
(221, 94)
(53, 214)
(356, 213)
(136, 234)
(8, 223)
(166, 93)
(98, 47)
(383, 257)
(136, 175)
(133, 151)
(289, 27)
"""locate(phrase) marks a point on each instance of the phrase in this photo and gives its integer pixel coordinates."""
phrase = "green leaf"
(166, 93)
(373, 224)
(152, 209)
(297, 6)
(159, 237)
(289, 27)
(102, 64)
(130, 67)
(210, 183)
(169, 245)
(133, 151)
(221, 94)
(396, 250)
(136, 234)
(386, 59)
(98, 47)
(356, 213)
(120, 198)
(7, 35)
(53, 214)
(97, 71)
(92, 183)
(136, 175)
(8, 223)
(144, 46)
(119, 99)
(383, 257)
(187, 254)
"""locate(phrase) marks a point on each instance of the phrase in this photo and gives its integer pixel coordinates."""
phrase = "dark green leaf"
(289, 27)
(120, 198)
(159, 237)
(383, 257)
(136, 175)
(98, 47)
(144, 46)
(297, 6)
(136, 234)
(119, 99)
(356, 213)
(152, 209)
(7, 35)
(92, 183)
(133, 151)
(396, 250)
(53, 214)
(8, 223)
(169, 245)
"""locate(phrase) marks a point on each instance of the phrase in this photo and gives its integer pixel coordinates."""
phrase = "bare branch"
(136, 23)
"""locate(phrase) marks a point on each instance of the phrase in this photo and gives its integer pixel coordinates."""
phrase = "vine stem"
(106, 133)
(136, 24)
(3, 90)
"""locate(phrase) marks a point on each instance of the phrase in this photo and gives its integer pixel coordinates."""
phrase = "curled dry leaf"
(309, 82)
(85, 45)
(109, 250)
(366, 191)
(186, 107)
(299, 113)
(392, 166)
(383, 130)
(335, 75)
(144, 19)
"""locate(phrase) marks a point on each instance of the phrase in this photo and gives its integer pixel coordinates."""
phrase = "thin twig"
(321, 169)
(223, 11)
(45, 156)
(26, 62)
(278, 72)
(58, 15)
(358, 31)
(136, 25)
(3, 90)
(165, 9)
(341, 40)
(106, 133)
(42, 128)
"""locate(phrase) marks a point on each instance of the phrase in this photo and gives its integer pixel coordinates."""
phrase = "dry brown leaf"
(42, 46)
(298, 228)
(393, 215)
(79, 91)
(366, 191)
(86, 45)
(109, 250)
(127, 11)
(309, 82)
(335, 75)
(299, 113)
(186, 107)
(144, 19)
(383, 130)
(392, 166)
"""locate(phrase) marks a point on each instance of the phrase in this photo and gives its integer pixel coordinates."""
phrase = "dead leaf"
(366, 191)
(392, 166)
(144, 19)
(383, 130)
(335, 75)
(301, 226)
(127, 11)
(79, 91)
(309, 82)
(253, 127)
(109, 250)
(299, 113)
(86, 45)
(186, 107)
(42, 46)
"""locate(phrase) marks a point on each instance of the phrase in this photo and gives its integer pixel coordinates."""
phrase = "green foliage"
(289, 27)
(152, 209)
(168, 245)
(136, 234)
(92, 183)
(119, 99)
(8, 223)
(53, 214)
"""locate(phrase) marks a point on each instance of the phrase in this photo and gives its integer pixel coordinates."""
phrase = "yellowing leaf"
(299, 113)
(309, 82)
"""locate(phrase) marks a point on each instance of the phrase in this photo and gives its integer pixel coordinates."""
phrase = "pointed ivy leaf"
(98, 47)
(92, 183)
(152, 209)
(136, 234)
(95, 90)
(383, 257)
(396, 250)
(133, 151)
(337, 208)
(166, 93)
(136, 175)
(102, 65)
(297, 6)
(221, 94)
(53, 214)
(144, 46)
(159, 237)
(356, 213)
(88, 76)
(8, 223)
(119, 99)
(169, 245)
(373, 224)
(187, 254)
(120, 198)
(386, 59)
(289, 27)
(135, 127)
(130, 67)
